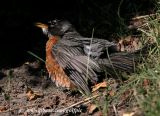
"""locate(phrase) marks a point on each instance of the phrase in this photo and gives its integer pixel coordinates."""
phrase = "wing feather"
(75, 64)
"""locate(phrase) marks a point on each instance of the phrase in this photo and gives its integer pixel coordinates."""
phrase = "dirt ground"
(26, 90)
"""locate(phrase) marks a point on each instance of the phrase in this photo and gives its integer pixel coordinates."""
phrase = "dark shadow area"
(19, 35)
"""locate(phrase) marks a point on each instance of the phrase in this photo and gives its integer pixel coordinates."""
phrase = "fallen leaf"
(99, 85)
(121, 45)
(31, 95)
(92, 108)
(99, 113)
(129, 44)
(2, 108)
(128, 114)
(111, 93)
(26, 63)
(145, 82)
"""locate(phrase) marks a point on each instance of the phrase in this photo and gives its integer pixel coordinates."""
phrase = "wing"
(93, 47)
(78, 67)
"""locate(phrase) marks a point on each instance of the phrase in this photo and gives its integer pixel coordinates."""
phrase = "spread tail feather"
(125, 61)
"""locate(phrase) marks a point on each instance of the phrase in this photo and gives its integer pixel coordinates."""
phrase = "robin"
(72, 60)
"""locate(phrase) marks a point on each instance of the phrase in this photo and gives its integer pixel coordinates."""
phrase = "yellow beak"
(41, 25)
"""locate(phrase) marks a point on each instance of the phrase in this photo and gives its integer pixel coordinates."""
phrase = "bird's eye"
(53, 22)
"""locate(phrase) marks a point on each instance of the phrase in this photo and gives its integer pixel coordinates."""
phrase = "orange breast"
(55, 71)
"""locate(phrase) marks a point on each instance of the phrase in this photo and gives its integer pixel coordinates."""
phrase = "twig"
(148, 34)
(144, 16)
(73, 105)
(88, 59)
(115, 110)
(78, 103)
(31, 53)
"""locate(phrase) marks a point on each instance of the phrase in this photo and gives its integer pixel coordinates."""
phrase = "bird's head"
(59, 28)
(55, 27)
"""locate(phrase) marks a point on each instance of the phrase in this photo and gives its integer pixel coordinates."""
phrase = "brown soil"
(45, 98)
